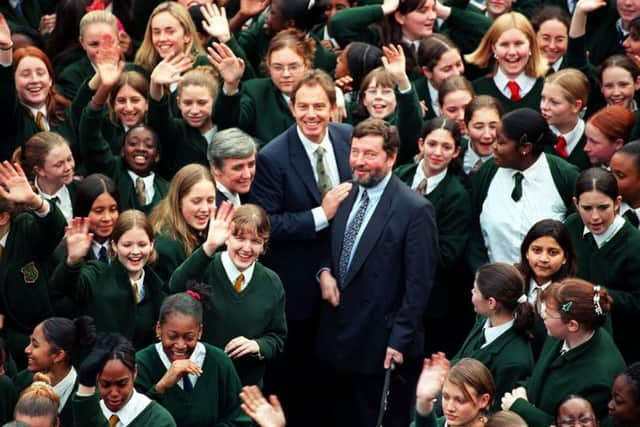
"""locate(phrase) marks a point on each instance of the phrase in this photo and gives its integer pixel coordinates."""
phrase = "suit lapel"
(300, 163)
(341, 153)
(340, 224)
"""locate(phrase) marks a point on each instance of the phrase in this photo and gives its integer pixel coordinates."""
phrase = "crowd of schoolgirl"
(131, 291)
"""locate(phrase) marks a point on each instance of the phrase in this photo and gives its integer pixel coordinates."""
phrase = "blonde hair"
(167, 218)
(200, 76)
(573, 84)
(39, 399)
(98, 17)
(36, 149)
(536, 65)
(147, 57)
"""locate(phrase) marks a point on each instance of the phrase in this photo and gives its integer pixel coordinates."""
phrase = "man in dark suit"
(298, 178)
(232, 158)
(384, 252)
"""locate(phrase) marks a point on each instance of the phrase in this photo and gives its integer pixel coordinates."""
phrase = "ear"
(38, 171)
(575, 202)
(5, 218)
(135, 374)
(636, 86)
(398, 17)
(420, 144)
(456, 153)
(59, 356)
(484, 401)
(573, 325)
(618, 143)
(426, 72)
(577, 106)
(215, 171)
(616, 204)
(158, 330)
(493, 304)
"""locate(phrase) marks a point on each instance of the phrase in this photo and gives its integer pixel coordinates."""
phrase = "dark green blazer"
(577, 157)
(171, 254)
(8, 399)
(587, 370)
(69, 80)
(486, 86)
(422, 89)
(31, 10)
(87, 413)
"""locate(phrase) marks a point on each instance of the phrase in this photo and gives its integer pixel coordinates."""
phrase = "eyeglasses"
(544, 311)
(280, 68)
(384, 91)
(570, 422)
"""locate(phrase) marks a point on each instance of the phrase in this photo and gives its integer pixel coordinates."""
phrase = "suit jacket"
(287, 190)
(385, 291)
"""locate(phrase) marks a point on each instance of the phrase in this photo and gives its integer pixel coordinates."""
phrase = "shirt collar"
(233, 198)
(432, 181)
(196, 357)
(565, 346)
(232, 271)
(491, 333)
(310, 147)
(525, 82)
(601, 239)
(433, 94)
(136, 404)
(3, 239)
(65, 387)
(62, 192)
(208, 135)
(95, 247)
(535, 290)
(535, 171)
(148, 180)
(556, 65)
(573, 136)
(375, 192)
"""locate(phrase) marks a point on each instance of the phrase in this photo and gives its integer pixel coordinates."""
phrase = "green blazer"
(171, 254)
(616, 266)
(68, 82)
(258, 312)
(8, 399)
(103, 291)
(486, 86)
(587, 370)
(422, 89)
(31, 10)
(577, 157)
(509, 357)
(87, 413)
(99, 158)
(214, 400)
(24, 380)
(355, 24)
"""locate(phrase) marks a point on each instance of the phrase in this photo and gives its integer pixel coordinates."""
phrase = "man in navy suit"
(384, 252)
(232, 158)
(297, 182)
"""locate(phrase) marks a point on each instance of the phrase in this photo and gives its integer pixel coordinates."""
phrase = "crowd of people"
(377, 212)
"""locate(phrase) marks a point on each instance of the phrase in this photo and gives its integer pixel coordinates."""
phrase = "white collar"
(533, 172)
(208, 135)
(96, 246)
(232, 271)
(491, 333)
(556, 65)
(197, 357)
(65, 387)
(432, 181)
(136, 404)
(535, 290)
(573, 136)
(609, 233)
(63, 191)
(525, 82)
(233, 198)
(148, 180)
(565, 346)
(310, 147)
(3, 239)
(433, 94)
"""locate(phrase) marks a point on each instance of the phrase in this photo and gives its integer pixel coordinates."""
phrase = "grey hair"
(230, 143)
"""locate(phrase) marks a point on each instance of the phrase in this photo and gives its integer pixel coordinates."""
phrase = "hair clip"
(194, 294)
(566, 306)
(596, 300)
(523, 298)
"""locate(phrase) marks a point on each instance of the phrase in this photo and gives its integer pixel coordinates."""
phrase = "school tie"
(476, 167)
(422, 187)
(135, 289)
(140, 191)
(514, 88)
(632, 217)
(186, 383)
(18, 8)
(55, 199)
(561, 147)
(237, 285)
(113, 420)
(40, 121)
(324, 183)
(516, 194)
(102, 255)
(350, 236)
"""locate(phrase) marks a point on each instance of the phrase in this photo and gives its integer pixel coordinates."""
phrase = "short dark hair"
(89, 189)
(316, 77)
(378, 127)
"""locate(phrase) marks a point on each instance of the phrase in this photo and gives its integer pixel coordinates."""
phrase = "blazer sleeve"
(271, 343)
(96, 151)
(453, 228)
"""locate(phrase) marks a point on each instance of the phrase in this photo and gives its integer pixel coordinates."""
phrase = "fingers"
(334, 298)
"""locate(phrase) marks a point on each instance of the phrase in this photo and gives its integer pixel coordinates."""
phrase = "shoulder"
(342, 129)
(258, 86)
(278, 147)
(406, 172)
(155, 415)
(217, 357)
(271, 276)
(166, 245)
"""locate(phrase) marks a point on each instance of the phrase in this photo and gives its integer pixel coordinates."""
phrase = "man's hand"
(331, 201)
(394, 355)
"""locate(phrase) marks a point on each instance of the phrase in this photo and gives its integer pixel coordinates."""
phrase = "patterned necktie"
(350, 236)
(135, 290)
(561, 147)
(102, 255)
(324, 183)
(113, 420)
(516, 194)
(514, 88)
(40, 121)
(632, 217)
(476, 167)
(238, 283)
(422, 187)
(140, 191)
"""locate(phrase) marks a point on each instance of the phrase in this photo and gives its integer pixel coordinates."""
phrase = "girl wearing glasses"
(576, 410)
(578, 357)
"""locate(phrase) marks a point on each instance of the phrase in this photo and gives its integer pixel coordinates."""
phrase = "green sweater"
(486, 86)
(99, 158)
(616, 266)
(255, 313)
(103, 291)
(87, 413)
(587, 370)
(24, 380)
(214, 400)
(8, 399)
(70, 80)
(509, 357)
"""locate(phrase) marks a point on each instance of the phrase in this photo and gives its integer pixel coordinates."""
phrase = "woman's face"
(598, 147)
(512, 51)
(556, 109)
(130, 106)
(196, 104)
(450, 64)
(545, 257)
(179, 335)
(90, 38)
(439, 149)
(286, 67)
(506, 153)
(33, 82)
(380, 101)
(553, 38)
(133, 250)
(418, 23)
(167, 35)
(115, 384)
(618, 86)
(196, 205)
(103, 216)
(453, 106)
(244, 248)
(458, 409)
(40, 354)
(576, 411)
(597, 210)
(59, 166)
(624, 410)
(483, 130)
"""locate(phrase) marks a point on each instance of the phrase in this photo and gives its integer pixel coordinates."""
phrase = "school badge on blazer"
(30, 273)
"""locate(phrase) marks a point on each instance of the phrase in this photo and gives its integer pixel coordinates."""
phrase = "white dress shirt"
(492, 333)
(526, 83)
(196, 357)
(232, 271)
(136, 404)
(432, 182)
(149, 191)
(64, 200)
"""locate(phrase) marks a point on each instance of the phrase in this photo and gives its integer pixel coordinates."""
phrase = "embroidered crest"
(30, 273)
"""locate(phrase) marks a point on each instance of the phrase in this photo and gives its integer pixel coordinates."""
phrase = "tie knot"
(113, 420)
(365, 196)
(518, 176)
(320, 151)
(238, 283)
(514, 88)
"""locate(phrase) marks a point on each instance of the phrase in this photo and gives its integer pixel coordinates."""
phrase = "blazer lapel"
(341, 153)
(300, 163)
(340, 224)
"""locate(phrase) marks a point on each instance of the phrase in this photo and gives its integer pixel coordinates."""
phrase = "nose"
(128, 104)
(611, 405)
(246, 173)
(625, 43)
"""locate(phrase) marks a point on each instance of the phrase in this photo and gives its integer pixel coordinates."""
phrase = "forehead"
(553, 27)
(623, 161)
(368, 142)
(440, 135)
(616, 73)
(164, 19)
(575, 407)
(135, 233)
(194, 91)
(488, 114)
(285, 55)
(115, 370)
(311, 94)
(456, 97)
(236, 161)
(545, 241)
(512, 35)
(128, 91)
(96, 29)
(140, 133)
(31, 62)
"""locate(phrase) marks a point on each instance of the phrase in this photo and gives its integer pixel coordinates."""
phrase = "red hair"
(615, 122)
(56, 103)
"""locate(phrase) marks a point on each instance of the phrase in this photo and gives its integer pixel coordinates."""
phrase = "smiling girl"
(482, 117)
(625, 167)
(123, 295)
(624, 406)
(195, 381)
(551, 24)
(247, 318)
(607, 131)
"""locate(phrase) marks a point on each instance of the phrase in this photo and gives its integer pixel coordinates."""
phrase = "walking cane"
(385, 394)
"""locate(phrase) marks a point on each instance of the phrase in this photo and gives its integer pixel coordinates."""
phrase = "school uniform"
(70, 79)
(503, 350)
(539, 330)
(100, 159)
(465, 26)
(24, 276)
(171, 254)
(63, 198)
(257, 312)
(575, 141)
(28, 14)
(546, 193)
(470, 161)
(587, 370)
(614, 264)
(139, 411)
(105, 292)
(8, 399)
(258, 108)
(496, 87)
(213, 398)
(429, 95)
(355, 24)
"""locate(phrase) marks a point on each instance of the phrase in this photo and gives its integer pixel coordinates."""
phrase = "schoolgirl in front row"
(608, 252)
(195, 381)
(579, 356)
(247, 319)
